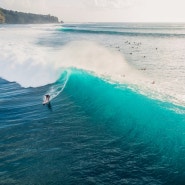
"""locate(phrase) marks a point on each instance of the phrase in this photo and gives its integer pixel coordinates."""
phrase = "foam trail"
(59, 86)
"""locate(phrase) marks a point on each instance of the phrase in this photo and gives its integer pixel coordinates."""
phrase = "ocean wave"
(151, 33)
(127, 126)
(104, 115)
(31, 65)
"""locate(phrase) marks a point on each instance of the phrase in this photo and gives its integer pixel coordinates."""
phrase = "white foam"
(112, 66)
(22, 60)
(30, 64)
(57, 88)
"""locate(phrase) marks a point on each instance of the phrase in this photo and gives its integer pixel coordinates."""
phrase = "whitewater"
(117, 111)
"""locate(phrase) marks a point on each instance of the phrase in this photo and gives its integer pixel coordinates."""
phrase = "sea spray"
(31, 64)
(22, 60)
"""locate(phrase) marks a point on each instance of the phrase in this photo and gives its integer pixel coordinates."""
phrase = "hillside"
(14, 17)
(2, 18)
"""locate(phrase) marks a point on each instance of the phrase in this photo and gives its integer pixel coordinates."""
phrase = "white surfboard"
(45, 102)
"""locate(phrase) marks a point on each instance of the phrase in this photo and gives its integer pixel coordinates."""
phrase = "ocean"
(117, 109)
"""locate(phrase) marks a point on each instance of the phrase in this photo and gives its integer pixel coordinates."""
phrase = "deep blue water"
(94, 131)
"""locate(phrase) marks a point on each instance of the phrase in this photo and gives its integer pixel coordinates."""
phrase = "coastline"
(15, 17)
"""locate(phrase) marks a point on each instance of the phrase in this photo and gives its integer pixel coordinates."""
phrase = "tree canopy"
(2, 18)
(14, 17)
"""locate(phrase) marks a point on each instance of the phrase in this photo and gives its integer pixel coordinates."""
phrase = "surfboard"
(45, 102)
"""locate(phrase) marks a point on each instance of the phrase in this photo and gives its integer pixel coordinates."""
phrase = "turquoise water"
(107, 123)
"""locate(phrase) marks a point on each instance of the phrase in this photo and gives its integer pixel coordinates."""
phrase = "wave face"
(93, 131)
(107, 123)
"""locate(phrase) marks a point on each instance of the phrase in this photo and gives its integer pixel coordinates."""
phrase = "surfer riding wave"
(47, 99)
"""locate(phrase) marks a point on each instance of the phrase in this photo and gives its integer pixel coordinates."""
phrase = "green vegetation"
(2, 18)
(14, 17)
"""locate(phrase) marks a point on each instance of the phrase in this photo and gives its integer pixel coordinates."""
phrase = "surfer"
(47, 97)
